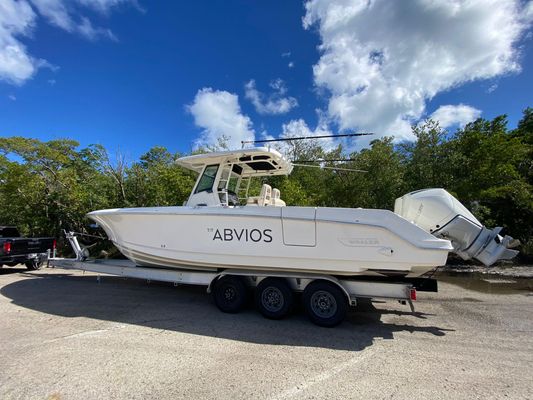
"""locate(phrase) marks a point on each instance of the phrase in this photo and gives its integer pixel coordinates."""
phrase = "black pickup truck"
(31, 252)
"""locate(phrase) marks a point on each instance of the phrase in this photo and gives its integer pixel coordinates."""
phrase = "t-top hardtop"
(258, 161)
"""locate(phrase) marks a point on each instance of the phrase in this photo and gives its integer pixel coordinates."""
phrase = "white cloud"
(16, 19)
(218, 113)
(382, 60)
(451, 115)
(12, 97)
(104, 6)
(288, 55)
(264, 135)
(55, 11)
(299, 128)
(87, 29)
(492, 88)
(63, 14)
(274, 103)
(528, 11)
(279, 86)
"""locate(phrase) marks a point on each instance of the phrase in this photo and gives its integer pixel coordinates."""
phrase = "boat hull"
(290, 239)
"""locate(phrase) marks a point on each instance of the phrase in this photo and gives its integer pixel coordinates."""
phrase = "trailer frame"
(352, 287)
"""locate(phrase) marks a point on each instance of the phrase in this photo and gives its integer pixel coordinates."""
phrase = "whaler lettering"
(243, 235)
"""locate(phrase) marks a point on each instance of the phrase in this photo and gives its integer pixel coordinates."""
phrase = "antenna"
(243, 142)
(333, 168)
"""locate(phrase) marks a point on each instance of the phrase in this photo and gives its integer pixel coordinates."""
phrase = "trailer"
(325, 298)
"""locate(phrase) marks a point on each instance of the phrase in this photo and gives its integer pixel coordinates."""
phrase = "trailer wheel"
(34, 264)
(274, 298)
(230, 294)
(325, 303)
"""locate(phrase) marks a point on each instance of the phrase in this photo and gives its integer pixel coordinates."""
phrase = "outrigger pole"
(326, 167)
(243, 142)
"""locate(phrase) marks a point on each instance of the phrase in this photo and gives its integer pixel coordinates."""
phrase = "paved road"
(65, 336)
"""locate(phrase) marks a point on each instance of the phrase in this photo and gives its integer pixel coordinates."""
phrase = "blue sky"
(132, 75)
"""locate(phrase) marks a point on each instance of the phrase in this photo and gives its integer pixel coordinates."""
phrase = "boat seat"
(276, 200)
(264, 198)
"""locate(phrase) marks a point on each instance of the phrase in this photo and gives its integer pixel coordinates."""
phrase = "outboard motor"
(441, 214)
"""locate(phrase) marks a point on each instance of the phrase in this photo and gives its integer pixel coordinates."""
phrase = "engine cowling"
(441, 214)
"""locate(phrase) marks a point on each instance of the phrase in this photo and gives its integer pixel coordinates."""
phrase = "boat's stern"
(439, 213)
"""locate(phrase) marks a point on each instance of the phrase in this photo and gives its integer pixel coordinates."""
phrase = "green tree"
(427, 158)
(54, 186)
(156, 180)
(487, 175)
(376, 188)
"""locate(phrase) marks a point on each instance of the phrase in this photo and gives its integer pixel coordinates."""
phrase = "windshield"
(229, 178)
(207, 179)
(233, 182)
(228, 184)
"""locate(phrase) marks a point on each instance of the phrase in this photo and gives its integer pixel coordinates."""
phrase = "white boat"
(221, 227)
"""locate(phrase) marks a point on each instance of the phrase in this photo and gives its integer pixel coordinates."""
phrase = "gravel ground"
(65, 336)
(509, 270)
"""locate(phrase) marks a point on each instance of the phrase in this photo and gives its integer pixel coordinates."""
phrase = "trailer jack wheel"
(324, 303)
(230, 294)
(274, 298)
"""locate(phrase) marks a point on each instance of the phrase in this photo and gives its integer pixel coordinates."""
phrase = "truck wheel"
(34, 264)
(325, 303)
(273, 298)
(230, 294)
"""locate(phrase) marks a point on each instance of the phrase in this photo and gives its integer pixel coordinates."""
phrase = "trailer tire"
(325, 303)
(34, 264)
(230, 294)
(274, 298)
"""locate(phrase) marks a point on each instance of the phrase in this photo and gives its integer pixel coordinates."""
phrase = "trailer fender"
(336, 282)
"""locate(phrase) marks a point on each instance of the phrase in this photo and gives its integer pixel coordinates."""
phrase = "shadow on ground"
(187, 309)
(5, 270)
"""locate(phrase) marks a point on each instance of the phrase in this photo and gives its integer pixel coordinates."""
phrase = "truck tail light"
(413, 294)
(7, 247)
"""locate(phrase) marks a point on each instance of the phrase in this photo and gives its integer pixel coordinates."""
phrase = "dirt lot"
(65, 336)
